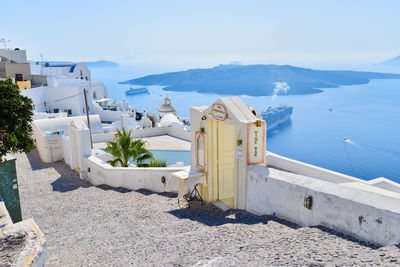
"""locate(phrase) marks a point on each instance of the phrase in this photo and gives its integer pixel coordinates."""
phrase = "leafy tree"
(125, 147)
(16, 113)
(153, 121)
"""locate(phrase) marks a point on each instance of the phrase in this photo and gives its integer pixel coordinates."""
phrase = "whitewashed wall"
(66, 150)
(105, 115)
(147, 132)
(76, 103)
(179, 133)
(45, 115)
(99, 89)
(366, 215)
(299, 167)
(38, 96)
(133, 178)
(51, 147)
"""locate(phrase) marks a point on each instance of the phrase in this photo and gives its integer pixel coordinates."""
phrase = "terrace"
(100, 225)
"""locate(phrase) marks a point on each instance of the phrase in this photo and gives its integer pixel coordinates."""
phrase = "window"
(18, 77)
(200, 151)
(94, 94)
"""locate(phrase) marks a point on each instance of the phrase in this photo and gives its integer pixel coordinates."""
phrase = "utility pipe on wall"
(87, 116)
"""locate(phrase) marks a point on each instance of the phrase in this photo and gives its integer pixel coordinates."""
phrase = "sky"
(205, 33)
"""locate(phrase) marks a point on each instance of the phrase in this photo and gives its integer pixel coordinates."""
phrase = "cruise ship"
(276, 116)
(137, 91)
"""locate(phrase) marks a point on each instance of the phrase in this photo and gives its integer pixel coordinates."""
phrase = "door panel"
(226, 160)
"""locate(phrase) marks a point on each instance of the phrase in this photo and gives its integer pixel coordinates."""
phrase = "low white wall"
(369, 216)
(147, 132)
(133, 178)
(106, 115)
(179, 133)
(66, 150)
(385, 183)
(45, 115)
(103, 137)
(49, 147)
(61, 124)
(309, 170)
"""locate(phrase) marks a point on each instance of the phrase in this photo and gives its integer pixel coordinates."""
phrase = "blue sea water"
(367, 115)
(172, 156)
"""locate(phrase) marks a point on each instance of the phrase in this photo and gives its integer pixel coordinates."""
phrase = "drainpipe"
(87, 116)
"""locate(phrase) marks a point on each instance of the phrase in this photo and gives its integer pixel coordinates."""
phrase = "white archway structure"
(226, 138)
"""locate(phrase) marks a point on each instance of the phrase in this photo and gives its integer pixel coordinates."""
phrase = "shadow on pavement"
(69, 179)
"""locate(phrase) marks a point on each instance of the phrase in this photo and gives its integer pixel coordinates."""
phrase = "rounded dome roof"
(166, 107)
(169, 120)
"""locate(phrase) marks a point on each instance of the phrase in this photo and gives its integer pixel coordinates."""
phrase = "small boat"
(137, 91)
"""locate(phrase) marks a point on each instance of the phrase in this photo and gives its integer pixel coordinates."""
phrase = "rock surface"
(103, 226)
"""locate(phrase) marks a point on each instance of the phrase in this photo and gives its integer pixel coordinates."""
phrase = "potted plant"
(16, 113)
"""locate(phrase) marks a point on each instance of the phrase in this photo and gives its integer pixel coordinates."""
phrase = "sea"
(353, 130)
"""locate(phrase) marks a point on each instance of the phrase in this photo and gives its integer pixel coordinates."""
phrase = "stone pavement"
(103, 226)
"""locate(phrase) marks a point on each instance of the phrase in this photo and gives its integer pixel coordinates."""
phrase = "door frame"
(213, 160)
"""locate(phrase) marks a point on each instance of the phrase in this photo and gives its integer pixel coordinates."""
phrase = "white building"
(65, 95)
(13, 55)
(66, 70)
(166, 108)
(63, 90)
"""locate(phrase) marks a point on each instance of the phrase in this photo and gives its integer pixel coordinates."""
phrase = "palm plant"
(140, 153)
(125, 147)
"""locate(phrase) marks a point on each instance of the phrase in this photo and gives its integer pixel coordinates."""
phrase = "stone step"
(5, 218)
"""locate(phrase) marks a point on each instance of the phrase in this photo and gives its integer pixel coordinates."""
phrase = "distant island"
(257, 80)
(101, 64)
(90, 64)
(391, 62)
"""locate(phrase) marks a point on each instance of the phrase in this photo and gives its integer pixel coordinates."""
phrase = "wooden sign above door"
(219, 112)
(256, 143)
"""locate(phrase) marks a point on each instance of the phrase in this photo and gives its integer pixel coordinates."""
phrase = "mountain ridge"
(391, 62)
(257, 80)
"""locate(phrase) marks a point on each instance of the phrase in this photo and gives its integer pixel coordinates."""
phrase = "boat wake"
(370, 147)
(347, 140)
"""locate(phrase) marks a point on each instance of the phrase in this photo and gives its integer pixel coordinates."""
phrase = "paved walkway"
(102, 226)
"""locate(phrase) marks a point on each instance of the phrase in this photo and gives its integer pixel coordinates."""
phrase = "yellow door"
(226, 162)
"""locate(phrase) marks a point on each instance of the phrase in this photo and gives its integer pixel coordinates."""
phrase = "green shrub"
(158, 163)
(16, 113)
(154, 163)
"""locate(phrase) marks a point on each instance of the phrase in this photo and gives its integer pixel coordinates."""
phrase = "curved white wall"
(367, 215)
(133, 178)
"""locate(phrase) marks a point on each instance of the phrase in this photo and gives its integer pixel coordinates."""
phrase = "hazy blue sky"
(205, 32)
